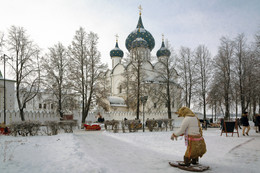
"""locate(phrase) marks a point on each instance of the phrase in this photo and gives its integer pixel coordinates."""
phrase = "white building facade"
(9, 97)
(140, 43)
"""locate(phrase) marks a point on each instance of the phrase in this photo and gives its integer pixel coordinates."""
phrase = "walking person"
(257, 123)
(100, 119)
(245, 123)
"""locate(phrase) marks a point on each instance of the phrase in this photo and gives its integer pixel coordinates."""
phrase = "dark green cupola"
(163, 51)
(139, 42)
(116, 52)
(140, 32)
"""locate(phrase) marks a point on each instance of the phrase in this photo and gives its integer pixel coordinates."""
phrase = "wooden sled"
(192, 168)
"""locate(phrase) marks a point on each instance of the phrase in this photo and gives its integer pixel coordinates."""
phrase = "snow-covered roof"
(116, 101)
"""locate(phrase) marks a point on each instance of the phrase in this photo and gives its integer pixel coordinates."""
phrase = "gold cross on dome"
(116, 37)
(140, 10)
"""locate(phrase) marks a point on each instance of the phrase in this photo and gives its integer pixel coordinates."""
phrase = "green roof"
(163, 51)
(116, 52)
(140, 32)
(139, 42)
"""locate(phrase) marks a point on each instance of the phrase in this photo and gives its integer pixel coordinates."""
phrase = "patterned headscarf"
(185, 111)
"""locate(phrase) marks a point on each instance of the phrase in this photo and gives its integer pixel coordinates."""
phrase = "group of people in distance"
(245, 123)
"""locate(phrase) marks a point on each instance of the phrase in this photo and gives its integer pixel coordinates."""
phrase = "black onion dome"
(116, 52)
(163, 51)
(140, 32)
(139, 42)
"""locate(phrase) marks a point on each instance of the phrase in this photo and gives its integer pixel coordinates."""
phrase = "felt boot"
(186, 162)
(195, 161)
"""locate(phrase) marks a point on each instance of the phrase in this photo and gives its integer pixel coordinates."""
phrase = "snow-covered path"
(106, 152)
(113, 155)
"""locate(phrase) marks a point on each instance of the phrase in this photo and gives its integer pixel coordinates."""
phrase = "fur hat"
(245, 113)
(185, 111)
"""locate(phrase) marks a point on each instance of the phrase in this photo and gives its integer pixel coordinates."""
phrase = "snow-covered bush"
(25, 128)
(159, 124)
(132, 125)
(68, 126)
(52, 127)
(114, 124)
(151, 124)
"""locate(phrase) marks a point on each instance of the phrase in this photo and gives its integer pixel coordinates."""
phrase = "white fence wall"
(42, 116)
(128, 115)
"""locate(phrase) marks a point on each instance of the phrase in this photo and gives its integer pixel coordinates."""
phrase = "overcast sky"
(183, 22)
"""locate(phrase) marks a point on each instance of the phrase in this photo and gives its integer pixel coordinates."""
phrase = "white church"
(140, 43)
(120, 82)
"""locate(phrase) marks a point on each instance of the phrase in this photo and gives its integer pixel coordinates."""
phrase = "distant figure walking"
(100, 118)
(245, 123)
(257, 123)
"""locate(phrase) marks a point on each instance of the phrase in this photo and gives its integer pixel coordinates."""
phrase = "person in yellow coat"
(194, 140)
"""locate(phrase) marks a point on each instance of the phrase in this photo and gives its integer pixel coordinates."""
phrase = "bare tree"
(24, 56)
(166, 75)
(78, 67)
(186, 68)
(256, 72)
(102, 91)
(223, 63)
(203, 68)
(257, 42)
(1, 47)
(96, 67)
(1, 41)
(55, 65)
(243, 70)
(134, 81)
(214, 97)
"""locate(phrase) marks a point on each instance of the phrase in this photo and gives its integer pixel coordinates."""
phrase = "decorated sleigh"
(4, 131)
(92, 127)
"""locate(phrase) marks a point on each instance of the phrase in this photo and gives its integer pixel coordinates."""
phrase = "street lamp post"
(144, 100)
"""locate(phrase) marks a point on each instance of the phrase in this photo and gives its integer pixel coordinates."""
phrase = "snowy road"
(151, 152)
(106, 152)
(113, 155)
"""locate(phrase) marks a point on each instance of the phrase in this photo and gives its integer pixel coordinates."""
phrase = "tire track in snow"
(236, 147)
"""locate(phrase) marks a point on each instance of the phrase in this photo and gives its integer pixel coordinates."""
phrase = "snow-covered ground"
(107, 152)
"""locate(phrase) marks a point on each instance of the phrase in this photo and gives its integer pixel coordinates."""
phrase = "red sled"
(4, 131)
(92, 127)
